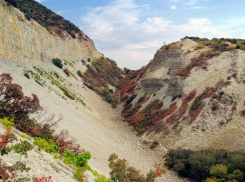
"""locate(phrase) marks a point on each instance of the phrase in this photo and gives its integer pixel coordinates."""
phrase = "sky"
(131, 31)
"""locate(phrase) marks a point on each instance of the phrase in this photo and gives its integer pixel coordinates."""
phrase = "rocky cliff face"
(164, 64)
(23, 40)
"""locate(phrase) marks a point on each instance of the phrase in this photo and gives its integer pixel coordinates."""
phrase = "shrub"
(131, 98)
(68, 95)
(84, 62)
(154, 144)
(14, 104)
(57, 62)
(26, 75)
(120, 171)
(101, 178)
(79, 174)
(56, 74)
(67, 72)
(65, 144)
(77, 160)
(10, 173)
(49, 146)
(199, 47)
(6, 123)
(82, 159)
(89, 86)
(219, 171)
(23, 135)
(79, 73)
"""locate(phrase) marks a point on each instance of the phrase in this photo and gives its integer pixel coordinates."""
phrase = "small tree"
(57, 62)
(219, 171)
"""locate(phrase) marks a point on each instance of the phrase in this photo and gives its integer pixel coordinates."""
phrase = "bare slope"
(191, 96)
(96, 126)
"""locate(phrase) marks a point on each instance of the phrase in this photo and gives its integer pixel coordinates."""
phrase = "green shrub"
(101, 178)
(82, 159)
(7, 124)
(68, 95)
(57, 62)
(219, 171)
(131, 98)
(79, 73)
(69, 157)
(26, 75)
(28, 17)
(89, 86)
(49, 146)
(23, 135)
(79, 174)
(199, 47)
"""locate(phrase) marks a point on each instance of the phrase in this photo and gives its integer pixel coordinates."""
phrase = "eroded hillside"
(191, 95)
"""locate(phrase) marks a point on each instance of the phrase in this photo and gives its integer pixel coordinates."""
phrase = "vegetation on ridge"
(48, 19)
(215, 47)
(99, 75)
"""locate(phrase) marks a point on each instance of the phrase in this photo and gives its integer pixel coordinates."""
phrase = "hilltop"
(191, 92)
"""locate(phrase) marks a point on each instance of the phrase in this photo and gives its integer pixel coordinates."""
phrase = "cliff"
(25, 41)
(164, 64)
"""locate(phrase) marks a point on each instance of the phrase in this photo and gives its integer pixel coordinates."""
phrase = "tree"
(236, 175)
(219, 171)
(200, 165)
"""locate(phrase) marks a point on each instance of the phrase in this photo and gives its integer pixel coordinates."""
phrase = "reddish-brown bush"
(66, 144)
(13, 102)
(66, 71)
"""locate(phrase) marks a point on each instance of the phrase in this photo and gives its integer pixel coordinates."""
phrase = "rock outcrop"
(25, 41)
(164, 65)
(168, 58)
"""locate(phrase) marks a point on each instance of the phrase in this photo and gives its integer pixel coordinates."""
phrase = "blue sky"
(131, 31)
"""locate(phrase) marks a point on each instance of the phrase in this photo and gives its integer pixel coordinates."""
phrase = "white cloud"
(173, 7)
(40, 0)
(59, 12)
(190, 2)
(119, 31)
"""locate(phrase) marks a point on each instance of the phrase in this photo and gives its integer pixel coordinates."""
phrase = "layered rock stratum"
(27, 41)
